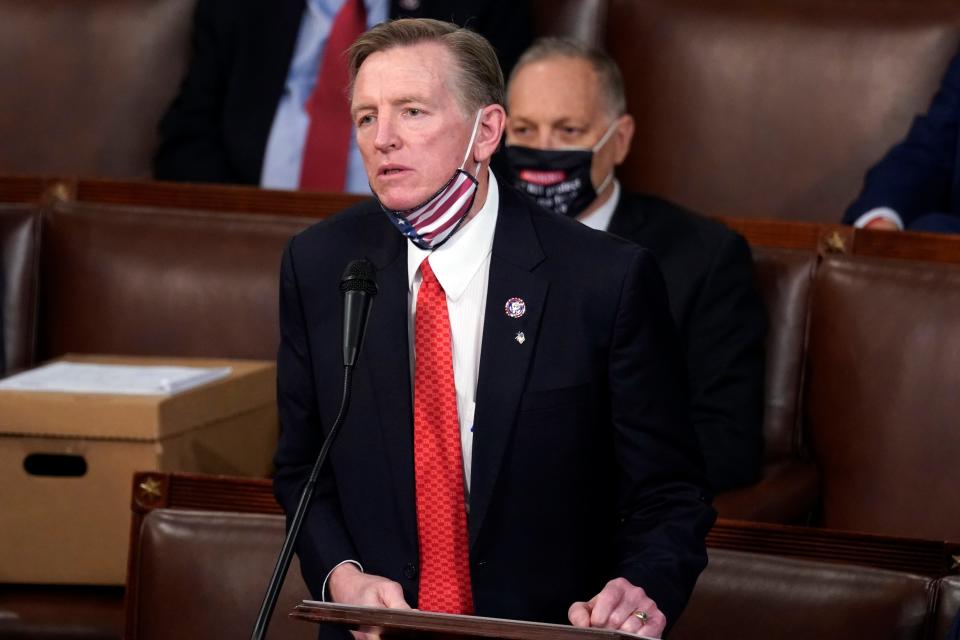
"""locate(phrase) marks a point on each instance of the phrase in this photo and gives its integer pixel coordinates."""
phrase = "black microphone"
(358, 287)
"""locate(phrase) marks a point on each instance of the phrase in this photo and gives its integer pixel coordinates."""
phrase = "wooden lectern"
(411, 623)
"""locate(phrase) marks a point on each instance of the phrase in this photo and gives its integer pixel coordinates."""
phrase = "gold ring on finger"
(642, 616)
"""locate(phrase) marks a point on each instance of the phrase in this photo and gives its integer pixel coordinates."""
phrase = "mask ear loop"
(606, 136)
(602, 141)
(473, 137)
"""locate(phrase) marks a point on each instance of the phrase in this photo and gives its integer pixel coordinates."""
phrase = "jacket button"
(409, 571)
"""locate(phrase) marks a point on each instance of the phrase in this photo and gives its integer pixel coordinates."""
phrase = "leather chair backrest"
(784, 277)
(742, 596)
(122, 280)
(84, 83)
(948, 606)
(883, 378)
(584, 20)
(754, 108)
(19, 281)
(788, 486)
(203, 575)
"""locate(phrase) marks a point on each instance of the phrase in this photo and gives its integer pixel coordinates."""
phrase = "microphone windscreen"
(360, 275)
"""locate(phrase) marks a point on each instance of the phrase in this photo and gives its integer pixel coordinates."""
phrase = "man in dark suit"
(568, 129)
(547, 406)
(916, 186)
(247, 56)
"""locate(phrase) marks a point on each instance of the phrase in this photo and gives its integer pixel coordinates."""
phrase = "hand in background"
(882, 224)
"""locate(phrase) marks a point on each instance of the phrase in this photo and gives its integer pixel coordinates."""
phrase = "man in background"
(567, 131)
(916, 186)
(264, 102)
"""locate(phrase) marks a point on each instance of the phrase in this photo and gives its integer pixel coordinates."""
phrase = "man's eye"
(364, 120)
(520, 131)
(413, 112)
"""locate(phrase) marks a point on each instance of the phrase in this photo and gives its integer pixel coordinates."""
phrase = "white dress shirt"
(462, 266)
(283, 155)
(600, 219)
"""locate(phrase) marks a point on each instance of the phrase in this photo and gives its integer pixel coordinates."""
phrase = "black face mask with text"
(557, 179)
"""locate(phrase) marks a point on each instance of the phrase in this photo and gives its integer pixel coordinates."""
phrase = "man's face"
(558, 103)
(411, 129)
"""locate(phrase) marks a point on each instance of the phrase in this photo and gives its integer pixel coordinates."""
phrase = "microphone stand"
(286, 552)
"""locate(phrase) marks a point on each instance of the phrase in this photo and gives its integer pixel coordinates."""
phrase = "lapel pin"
(515, 307)
(520, 338)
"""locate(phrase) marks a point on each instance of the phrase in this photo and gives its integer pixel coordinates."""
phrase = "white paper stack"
(74, 377)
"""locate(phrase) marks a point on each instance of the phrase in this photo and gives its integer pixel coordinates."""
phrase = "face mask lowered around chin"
(558, 179)
(434, 221)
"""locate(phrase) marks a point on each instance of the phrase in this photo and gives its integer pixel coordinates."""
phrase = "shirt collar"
(457, 260)
(600, 219)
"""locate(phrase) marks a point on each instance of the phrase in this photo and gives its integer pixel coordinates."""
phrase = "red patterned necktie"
(438, 459)
(324, 164)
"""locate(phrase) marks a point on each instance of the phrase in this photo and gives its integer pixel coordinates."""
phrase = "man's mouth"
(392, 170)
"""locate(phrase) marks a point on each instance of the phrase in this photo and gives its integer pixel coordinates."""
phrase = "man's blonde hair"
(480, 79)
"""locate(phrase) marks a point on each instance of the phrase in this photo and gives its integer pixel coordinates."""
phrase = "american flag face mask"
(433, 222)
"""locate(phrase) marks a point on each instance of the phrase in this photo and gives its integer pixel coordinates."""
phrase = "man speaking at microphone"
(517, 444)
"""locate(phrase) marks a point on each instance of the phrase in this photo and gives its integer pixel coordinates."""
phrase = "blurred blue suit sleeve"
(920, 174)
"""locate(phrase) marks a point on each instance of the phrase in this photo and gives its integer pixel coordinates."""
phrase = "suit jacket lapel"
(388, 365)
(507, 347)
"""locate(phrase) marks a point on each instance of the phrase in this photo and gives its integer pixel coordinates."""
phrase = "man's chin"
(400, 199)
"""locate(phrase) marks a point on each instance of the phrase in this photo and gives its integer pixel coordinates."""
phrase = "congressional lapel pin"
(520, 338)
(515, 307)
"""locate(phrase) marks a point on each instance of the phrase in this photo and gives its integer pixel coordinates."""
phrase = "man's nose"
(544, 139)
(386, 138)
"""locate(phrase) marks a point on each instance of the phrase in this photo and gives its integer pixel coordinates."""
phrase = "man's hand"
(618, 607)
(349, 585)
(882, 224)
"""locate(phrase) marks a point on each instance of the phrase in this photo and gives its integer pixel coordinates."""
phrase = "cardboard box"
(74, 529)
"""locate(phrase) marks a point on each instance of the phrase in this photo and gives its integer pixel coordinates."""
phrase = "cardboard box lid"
(250, 385)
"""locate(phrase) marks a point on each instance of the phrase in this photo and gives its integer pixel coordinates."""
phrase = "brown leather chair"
(19, 280)
(202, 574)
(190, 528)
(161, 282)
(85, 83)
(187, 580)
(948, 606)
(788, 488)
(743, 595)
(883, 374)
(773, 109)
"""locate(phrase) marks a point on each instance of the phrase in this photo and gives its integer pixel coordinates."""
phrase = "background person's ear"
(623, 137)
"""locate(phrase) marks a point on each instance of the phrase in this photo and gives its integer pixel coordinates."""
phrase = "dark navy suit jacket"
(216, 129)
(585, 466)
(722, 321)
(920, 175)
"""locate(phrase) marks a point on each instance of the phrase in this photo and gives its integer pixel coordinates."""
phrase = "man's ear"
(493, 121)
(623, 137)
